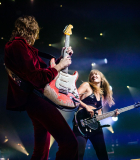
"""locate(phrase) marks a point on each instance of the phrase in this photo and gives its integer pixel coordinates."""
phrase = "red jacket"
(24, 61)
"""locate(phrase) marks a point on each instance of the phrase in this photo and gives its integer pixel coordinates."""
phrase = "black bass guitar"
(86, 125)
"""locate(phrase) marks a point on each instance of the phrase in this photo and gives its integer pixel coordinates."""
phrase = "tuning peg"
(137, 105)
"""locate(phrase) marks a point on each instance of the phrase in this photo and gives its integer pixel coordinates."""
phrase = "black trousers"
(97, 140)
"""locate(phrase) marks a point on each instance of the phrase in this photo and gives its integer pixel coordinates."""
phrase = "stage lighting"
(22, 149)
(101, 34)
(135, 92)
(6, 139)
(110, 129)
(50, 44)
(60, 5)
(1, 37)
(0, 3)
(105, 60)
(114, 118)
(85, 37)
(51, 141)
(93, 64)
(67, 116)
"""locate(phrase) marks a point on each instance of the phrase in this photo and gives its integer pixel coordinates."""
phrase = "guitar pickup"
(64, 80)
(82, 123)
(63, 86)
(64, 91)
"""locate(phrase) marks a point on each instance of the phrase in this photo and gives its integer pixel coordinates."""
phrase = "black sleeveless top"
(92, 101)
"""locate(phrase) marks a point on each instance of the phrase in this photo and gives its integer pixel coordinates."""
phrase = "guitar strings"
(89, 121)
(86, 121)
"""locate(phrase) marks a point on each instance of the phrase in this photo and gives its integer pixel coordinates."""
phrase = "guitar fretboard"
(67, 40)
(112, 113)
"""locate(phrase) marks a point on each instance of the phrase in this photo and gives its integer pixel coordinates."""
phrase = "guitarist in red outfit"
(22, 59)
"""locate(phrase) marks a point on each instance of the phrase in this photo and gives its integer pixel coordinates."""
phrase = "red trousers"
(48, 120)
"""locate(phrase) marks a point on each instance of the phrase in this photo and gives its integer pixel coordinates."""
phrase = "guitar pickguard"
(65, 82)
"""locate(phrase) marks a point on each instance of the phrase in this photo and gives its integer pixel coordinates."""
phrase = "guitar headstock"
(67, 30)
(137, 104)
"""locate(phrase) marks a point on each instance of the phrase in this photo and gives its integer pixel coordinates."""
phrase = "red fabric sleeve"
(24, 61)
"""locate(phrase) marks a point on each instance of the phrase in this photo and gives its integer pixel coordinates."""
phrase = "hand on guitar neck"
(116, 113)
(64, 62)
(67, 50)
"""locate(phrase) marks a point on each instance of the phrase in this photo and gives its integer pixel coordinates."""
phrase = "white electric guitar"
(62, 90)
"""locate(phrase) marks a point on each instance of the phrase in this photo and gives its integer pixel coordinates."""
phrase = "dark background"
(119, 21)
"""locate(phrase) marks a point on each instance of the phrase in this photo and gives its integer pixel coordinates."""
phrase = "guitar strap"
(45, 55)
(48, 57)
(101, 104)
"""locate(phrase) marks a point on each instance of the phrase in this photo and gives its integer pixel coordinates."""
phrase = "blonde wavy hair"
(26, 27)
(104, 88)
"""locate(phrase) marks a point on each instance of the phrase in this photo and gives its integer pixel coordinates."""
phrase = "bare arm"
(84, 91)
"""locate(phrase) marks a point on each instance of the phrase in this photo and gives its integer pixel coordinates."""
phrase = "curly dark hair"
(26, 27)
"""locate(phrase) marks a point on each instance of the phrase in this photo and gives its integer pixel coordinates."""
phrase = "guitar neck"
(112, 113)
(67, 41)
